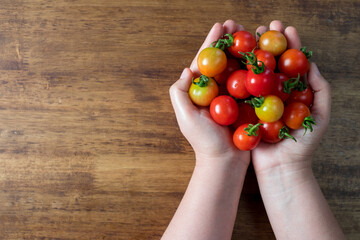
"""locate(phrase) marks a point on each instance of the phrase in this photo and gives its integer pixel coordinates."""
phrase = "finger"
(229, 26)
(180, 99)
(215, 33)
(322, 95)
(260, 30)
(292, 37)
(277, 25)
(239, 27)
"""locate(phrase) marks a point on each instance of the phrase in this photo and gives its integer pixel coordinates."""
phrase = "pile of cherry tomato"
(255, 87)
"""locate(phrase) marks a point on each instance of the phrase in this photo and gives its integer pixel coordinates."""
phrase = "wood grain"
(89, 144)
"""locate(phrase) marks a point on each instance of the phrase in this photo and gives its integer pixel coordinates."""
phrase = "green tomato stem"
(223, 43)
(252, 60)
(284, 134)
(203, 81)
(291, 84)
(252, 129)
(256, 102)
(308, 54)
(307, 123)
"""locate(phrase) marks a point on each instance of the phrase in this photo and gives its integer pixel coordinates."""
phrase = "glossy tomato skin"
(236, 84)
(224, 110)
(278, 88)
(271, 110)
(266, 57)
(270, 131)
(294, 115)
(246, 115)
(244, 142)
(273, 41)
(260, 84)
(293, 62)
(202, 96)
(231, 66)
(306, 96)
(243, 42)
(211, 61)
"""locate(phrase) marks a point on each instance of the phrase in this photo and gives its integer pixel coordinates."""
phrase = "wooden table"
(89, 143)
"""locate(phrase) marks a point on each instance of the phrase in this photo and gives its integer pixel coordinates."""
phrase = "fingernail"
(183, 74)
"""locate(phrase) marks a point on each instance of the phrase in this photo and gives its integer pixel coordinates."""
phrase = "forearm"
(209, 206)
(295, 204)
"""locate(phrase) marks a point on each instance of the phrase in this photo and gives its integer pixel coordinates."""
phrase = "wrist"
(227, 161)
(284, 178)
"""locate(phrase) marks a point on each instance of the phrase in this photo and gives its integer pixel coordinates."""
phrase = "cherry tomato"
(241, 137)
(246, 115)
(278, 88)
(203, 90)
(293, 62)
(273, 41)
(211, 61)
(306, 96)
(274, 132)
(232, 65)
(236, 84)
(296, 114)
(243, 42)
(260, 84)
(224, 110)
(266, 57)
(271, 110)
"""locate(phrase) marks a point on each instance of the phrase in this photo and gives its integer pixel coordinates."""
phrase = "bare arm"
(293, 200)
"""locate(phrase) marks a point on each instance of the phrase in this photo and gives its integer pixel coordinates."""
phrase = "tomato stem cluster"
(308, 54)
(253, 61)
(307, 124)
(284, 134)
(251, 130)
(224, 43)
(256, 102)
(202, 82)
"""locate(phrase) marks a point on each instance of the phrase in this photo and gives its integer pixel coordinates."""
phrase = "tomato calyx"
(284, 134)
(294, 83)
(202, 82)
(307, 54)
(307, 123)
(251, 59)
(252, 129)
(225, 42)
(256, 102)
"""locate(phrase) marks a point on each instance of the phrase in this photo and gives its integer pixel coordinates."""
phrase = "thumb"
(322, 96)
(180, 99)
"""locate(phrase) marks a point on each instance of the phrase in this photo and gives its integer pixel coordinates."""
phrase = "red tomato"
(211, 61)
(278, 88)
(297, 115)
(224, 110)
(246, 115)
(271, 109)
(293, 62)
(203, 90)
(274, 132)
(232, 65)
(236, 84)
(260, 84)
(241, 137)
(266, 57)
(243, 42)
(306, 97)
(273, 41)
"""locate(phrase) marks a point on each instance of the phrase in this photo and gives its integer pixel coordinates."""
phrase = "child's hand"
(298, 154)
(209, 140)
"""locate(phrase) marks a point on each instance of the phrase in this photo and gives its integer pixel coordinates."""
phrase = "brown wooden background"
(89, 144)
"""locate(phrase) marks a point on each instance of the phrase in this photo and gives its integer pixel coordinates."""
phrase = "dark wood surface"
(89, 144)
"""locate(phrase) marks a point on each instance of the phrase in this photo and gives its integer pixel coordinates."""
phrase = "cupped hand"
(209, 140)
(288, 153)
